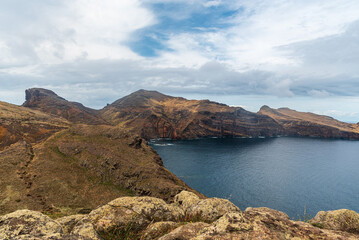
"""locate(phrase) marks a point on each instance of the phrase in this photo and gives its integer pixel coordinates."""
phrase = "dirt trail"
(24, 173)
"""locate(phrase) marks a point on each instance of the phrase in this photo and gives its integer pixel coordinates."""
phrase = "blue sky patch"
(176, 18)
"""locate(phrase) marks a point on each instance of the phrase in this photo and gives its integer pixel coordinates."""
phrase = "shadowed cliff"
(155, 115)
(49, 102)
(310, 125)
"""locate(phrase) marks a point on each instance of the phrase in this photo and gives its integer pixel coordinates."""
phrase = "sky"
(301, 54)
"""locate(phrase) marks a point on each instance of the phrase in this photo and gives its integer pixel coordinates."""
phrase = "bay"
(299, 176)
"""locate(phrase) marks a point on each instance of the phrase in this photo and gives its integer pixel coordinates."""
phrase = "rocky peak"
(139, 99)
(49, 102)
(34, 95)
(264, 108)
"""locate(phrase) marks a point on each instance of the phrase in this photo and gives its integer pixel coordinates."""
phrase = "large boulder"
(343, 220)
(134, 213)
(158, 229)
(26, 224)
(69, 222)
(186, 199)
(185, 232)
(210, 209)
(79, 226)
(85, 230)
(265, 223)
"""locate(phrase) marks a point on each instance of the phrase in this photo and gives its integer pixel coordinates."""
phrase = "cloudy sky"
(302, 54)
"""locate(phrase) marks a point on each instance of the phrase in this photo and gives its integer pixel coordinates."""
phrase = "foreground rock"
(25, 223)
(265, 223)
(343, 220)
(206, 210)
(158, 229)
(137, 212)
(31, 225)
(148, 218)
(184, 232)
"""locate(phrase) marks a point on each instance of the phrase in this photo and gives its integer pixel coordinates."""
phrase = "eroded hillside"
(154, 115)
(309, 124)
(20, 123)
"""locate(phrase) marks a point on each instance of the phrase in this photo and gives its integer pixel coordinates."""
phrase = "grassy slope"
(81, 168)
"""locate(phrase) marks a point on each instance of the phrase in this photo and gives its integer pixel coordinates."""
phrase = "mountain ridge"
(152, 114)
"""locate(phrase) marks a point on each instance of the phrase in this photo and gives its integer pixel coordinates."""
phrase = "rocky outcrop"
(49, 102)
(24, 224)
(342, 220)
(186, 200)
(187, 231)
(264, 223)
(31, 225)
(138, 211)
(151, 218)
(207, 210)
(158, 229)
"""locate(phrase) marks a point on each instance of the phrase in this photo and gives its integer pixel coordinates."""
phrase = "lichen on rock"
(158, 229)
(185, 232)
(145, 218)
(137, 211)
(186, 200)
(342, 219)
(25, 223)
(210, 209)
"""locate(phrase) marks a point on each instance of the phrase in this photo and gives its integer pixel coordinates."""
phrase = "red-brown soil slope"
(20, 123)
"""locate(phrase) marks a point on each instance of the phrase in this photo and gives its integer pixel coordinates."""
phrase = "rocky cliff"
(154, 115)
(187, 218)
(151, 114)
(49, 102)
(310, 125)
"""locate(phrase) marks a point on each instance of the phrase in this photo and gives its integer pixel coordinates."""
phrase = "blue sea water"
(293, 175)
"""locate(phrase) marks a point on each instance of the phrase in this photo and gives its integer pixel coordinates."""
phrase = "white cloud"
(318, 93)
(278, 48)
(212, 3)
(59, 31)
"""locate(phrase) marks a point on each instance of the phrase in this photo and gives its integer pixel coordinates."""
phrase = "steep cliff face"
(47, 101)
(154, 115)
(151, 114)
(309, 124)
